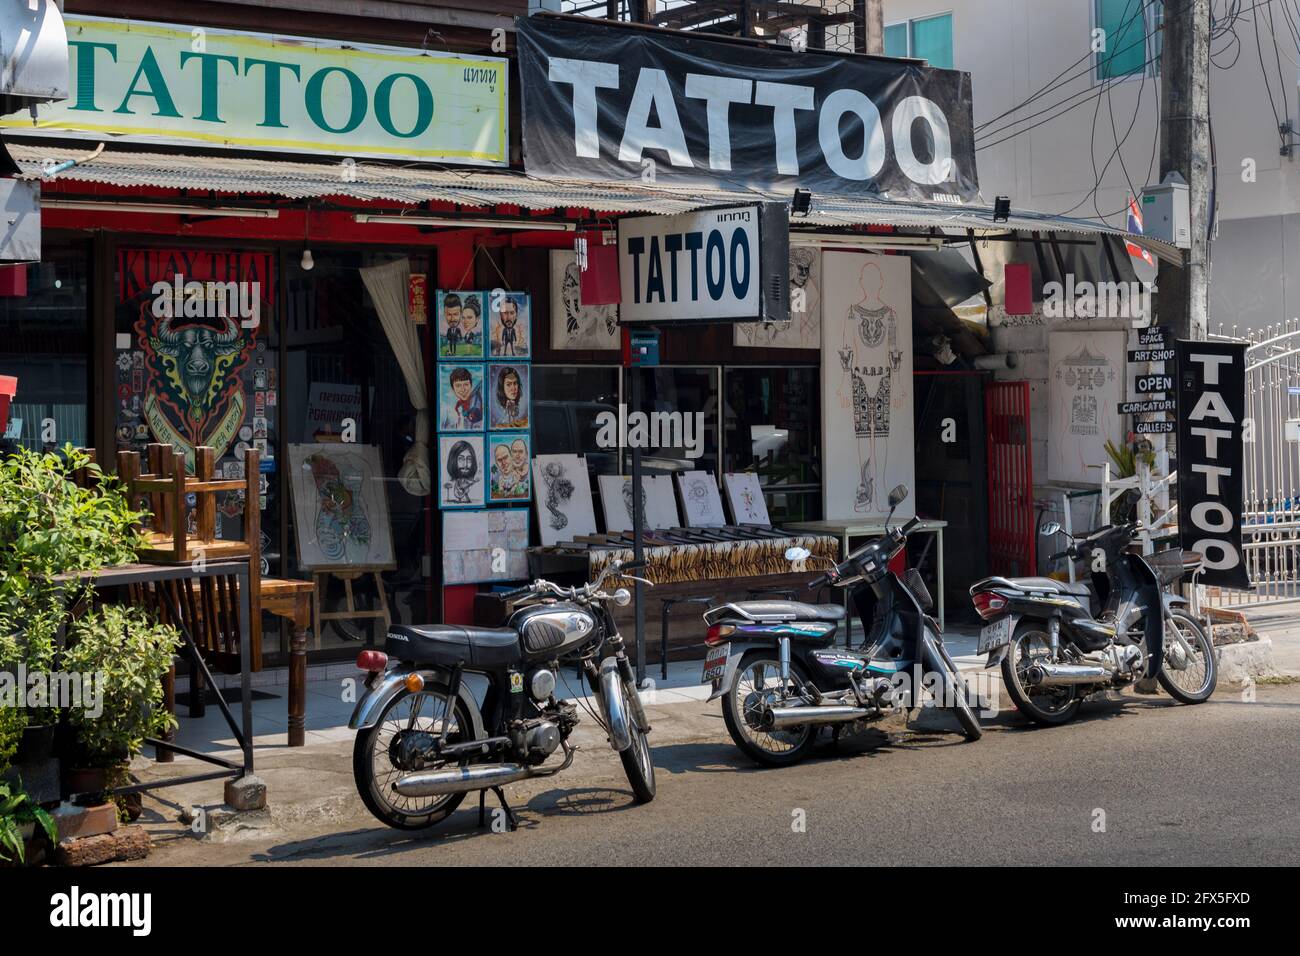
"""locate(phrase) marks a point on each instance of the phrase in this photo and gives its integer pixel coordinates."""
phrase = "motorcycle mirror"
(898, 496)
(1050, 528)
(797, 554)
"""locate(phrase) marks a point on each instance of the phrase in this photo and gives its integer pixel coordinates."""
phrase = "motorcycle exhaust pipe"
(782, 718)
(461, 779)
(1060, 675)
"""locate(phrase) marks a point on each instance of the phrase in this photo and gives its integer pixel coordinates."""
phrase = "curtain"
(387, 285)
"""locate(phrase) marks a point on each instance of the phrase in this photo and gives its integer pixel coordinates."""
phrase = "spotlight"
(801, 202)
(1001, 209)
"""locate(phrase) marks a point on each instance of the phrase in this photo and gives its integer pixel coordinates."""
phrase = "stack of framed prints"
(484, 422)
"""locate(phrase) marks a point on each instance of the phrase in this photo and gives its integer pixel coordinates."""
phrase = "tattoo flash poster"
(199, 321)
(1085, 385)
(868, 440)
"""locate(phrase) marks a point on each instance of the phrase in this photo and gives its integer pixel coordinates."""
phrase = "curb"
(1246, 661)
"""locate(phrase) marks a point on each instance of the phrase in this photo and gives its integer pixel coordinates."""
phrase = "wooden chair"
(165, 489)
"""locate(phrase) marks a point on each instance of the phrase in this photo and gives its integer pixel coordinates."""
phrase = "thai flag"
(1135, 228)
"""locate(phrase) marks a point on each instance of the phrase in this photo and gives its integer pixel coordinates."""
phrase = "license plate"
(995, 635)
(715, 663)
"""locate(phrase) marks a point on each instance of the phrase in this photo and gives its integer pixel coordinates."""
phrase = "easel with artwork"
(341, 520)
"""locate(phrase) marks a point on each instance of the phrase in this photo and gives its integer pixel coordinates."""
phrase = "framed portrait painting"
(461, 400)
(510, 470)
(509, 325)
(460, 324)
(462, 482)
(508, 396)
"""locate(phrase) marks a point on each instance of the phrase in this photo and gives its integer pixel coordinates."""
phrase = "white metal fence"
(1271, 510)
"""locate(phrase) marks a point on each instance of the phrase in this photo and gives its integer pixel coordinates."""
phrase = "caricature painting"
(461, 324)
(461, 482)
(510, 471)
(508, 395)
(509, 325)
(461, 405)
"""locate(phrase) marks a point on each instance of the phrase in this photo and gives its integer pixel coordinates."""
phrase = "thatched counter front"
(722, 571)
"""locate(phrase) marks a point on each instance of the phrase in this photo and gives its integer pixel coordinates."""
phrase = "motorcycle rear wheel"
(374, 772)
(758, 675)
(1057, 705)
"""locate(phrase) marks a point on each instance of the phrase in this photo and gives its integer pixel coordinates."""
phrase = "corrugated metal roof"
(412, 185)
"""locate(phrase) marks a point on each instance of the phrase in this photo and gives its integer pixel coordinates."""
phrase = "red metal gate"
(1013, 538)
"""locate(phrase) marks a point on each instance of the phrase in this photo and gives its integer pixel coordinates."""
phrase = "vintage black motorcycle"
(781, 680)
(1058, 642)
(422, 740)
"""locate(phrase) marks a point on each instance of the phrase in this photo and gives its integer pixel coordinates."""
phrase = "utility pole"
(1184, 294)
(869, 26)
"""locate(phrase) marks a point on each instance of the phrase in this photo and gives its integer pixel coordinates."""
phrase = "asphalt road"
(1212, 784)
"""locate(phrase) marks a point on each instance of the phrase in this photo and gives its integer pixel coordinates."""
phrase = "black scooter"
(781, 680)
(1058, 642)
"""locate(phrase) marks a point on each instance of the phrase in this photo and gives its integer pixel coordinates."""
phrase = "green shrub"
(128, 652)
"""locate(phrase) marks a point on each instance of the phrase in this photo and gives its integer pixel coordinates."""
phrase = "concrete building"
(1099, 121)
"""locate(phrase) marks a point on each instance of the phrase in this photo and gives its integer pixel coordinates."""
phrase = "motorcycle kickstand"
(512, 821)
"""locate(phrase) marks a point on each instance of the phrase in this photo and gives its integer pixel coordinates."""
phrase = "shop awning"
(475, 189)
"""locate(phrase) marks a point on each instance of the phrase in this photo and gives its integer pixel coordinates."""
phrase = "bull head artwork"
(194, 395)
(195, 355)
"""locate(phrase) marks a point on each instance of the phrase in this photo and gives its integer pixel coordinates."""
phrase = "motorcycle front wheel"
(940, 661)
(375, 759)
(637, 761)
(758, 681)
(1048, 706)
(1188, 679)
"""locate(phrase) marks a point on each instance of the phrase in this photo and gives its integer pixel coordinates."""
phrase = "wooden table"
(874, 528)
(292, 600)
(124, 576)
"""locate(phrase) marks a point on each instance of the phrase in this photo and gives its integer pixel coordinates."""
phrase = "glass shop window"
(682, 408)
(45, 343)
(197, 363)
(568, 402)
(359, 471)
(772, 426)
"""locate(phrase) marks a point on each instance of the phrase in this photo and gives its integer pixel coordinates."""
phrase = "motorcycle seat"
(1052, 585)
(791, 611)
(451, 644)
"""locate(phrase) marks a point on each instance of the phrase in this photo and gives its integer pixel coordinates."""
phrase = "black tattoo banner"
(1211, 457)
(618, 103)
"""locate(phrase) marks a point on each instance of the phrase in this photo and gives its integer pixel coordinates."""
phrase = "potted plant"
(50, 525)
(19, 818)
(128, 652)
